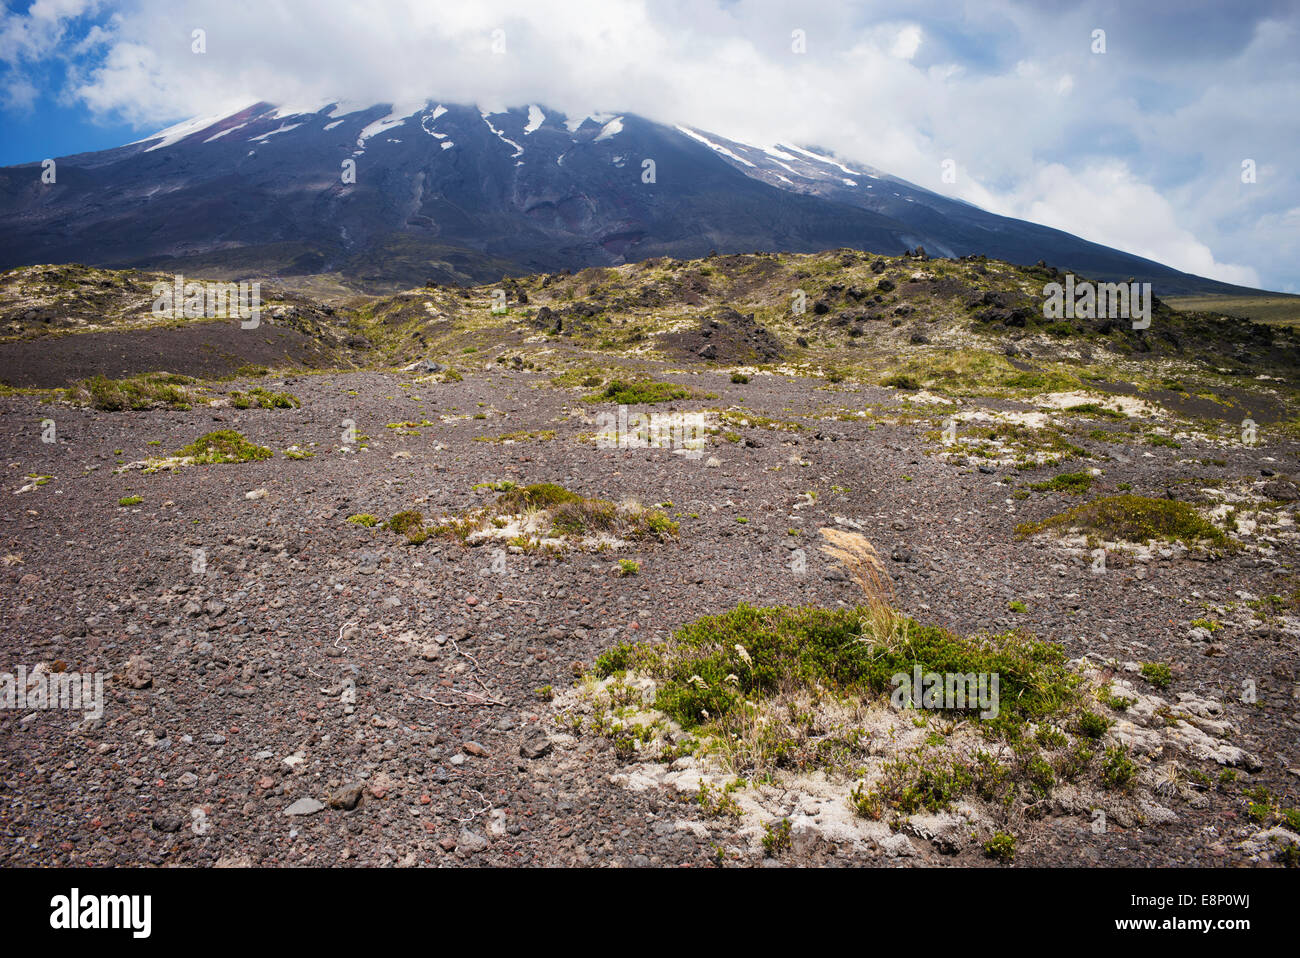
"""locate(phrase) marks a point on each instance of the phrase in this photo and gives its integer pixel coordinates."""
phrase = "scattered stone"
(304, 806)
(423, 366)
(535, 745)
(347, 797)
(470, 843)
(167, 822)
(139, 672)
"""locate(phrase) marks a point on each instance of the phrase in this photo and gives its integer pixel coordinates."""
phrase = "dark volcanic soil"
(246, 670)
(205, 350)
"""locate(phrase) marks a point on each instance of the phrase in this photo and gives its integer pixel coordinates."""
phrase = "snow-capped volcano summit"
(394, 194)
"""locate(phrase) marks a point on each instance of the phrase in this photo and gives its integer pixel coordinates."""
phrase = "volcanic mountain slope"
(389, 196)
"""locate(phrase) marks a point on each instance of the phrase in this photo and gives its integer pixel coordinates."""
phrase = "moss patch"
(541, 435)
(644, 392)
(1133, 519)
(1074, 483)
(224, 445)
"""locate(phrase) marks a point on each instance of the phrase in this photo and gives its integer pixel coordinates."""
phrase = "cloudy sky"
(1140, 147)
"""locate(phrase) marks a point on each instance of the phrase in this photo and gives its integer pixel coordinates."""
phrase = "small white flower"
(733, 679)
(697, 681)
(744, 656)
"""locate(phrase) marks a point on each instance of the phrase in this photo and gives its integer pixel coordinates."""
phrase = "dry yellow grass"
(860, 559)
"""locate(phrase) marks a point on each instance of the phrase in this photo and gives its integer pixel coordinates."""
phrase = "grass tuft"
(148, 391)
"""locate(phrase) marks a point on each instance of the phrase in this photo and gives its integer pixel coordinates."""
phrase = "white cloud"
(1033, 120)
(906, 43)
(38, 32)
(1105, 203)
(19, 94)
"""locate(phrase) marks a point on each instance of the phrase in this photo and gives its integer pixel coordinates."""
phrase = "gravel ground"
(388, 692)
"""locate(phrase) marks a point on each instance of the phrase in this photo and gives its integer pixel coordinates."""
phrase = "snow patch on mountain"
(829, 161)
(519, 150)
(298, 108)
(535, 118)
(430, 118)
(716, 147)
(377, 127)
(178, 132)
(342, 108)
(612, 128)
(399, 114)
(229, 129)
(574, 123)
(775, 153)
(266, 136)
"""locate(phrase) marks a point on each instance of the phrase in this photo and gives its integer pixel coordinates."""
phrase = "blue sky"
(1139, 147)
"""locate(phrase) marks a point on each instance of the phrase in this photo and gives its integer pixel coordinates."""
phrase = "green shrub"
(1158, 674)
(1074, 483)
(639, 393)
(1093, 409)
(408, 523)
(542, 495)
(776, 840)
(901, 381)
(1118, 770)
(224, 445)
(824, 648)
(1092, 725)
(1001, 847)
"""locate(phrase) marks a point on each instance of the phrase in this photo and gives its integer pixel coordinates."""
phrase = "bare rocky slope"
(386, 196)
(427, 615)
